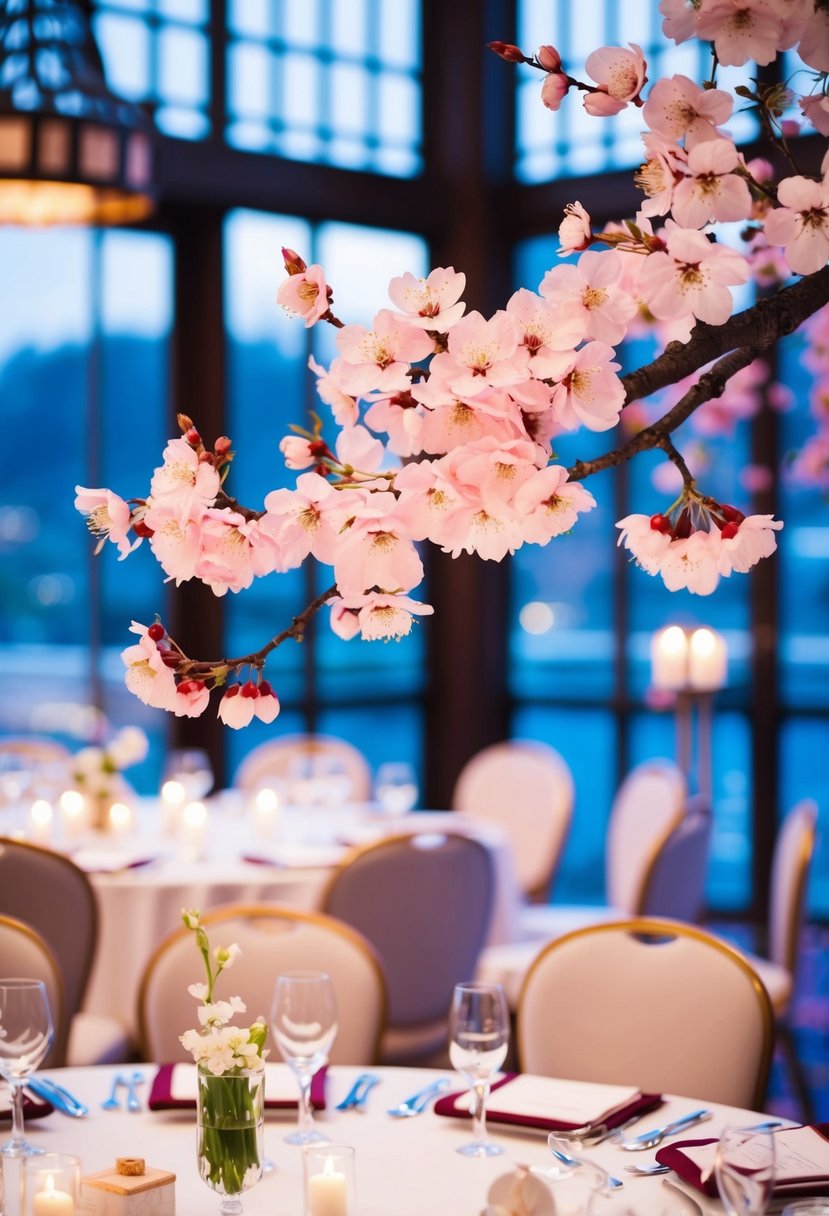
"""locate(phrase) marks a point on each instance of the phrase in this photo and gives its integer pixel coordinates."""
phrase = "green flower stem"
(230, 1114)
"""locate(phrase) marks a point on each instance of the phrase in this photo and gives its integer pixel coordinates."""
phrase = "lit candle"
(40, 819)
(51, 1202)
(172, 800)
(327, 1192)
(708, 660)
(120, 818)
(74, 811)
(193, 827)
(265, 811)
(669, 658)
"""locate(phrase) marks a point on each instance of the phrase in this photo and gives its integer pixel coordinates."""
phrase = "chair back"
(527, 788)
(277, 757)
(650, 1003)
(424, 902)
(648, 805)
(674, 884)
(25, 955)
(793, 851)
(37, 749)
(273, 939)
(49, 892)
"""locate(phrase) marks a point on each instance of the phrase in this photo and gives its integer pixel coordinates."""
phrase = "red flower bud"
(318, 448)
(732, 514)
(660, 523)
(549, 58)
(222, 445)
(156, 632)
(250, 689)
(507, 51)
(192, 436)
(265, 689)
(170, 658)
(682, 528)
(730, 529)
(141, 529)
(232, 691)
(294, 264)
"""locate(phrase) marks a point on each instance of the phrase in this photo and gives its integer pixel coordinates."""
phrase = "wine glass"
(744, 1169)
(26, 1034)
(395, 787)
(190, 768)
(478, 1040)
(304, 1024)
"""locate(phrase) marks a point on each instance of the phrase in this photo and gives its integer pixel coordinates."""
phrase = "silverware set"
(130, 1083)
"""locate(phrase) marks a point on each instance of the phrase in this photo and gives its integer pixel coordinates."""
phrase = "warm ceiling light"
(71, 151)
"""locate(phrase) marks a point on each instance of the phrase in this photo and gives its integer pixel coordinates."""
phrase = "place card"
(801, 1161)
(553, 1104)
(175, 1087)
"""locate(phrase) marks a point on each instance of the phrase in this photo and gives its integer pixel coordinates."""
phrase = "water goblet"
(304, 1024)
(744, 1169)
(26, 1034)
(395, 787)
(478, 1040)
(190, 768)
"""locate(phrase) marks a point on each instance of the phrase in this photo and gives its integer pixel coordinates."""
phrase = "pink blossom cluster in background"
(440, 422)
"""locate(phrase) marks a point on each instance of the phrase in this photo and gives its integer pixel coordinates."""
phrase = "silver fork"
(131, 1082)
(356, 1097)
(418, 1102)
(656, 1135)
(112, 1103)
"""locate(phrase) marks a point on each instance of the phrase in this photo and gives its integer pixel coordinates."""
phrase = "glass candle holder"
(330, 1188)
(51, 1185)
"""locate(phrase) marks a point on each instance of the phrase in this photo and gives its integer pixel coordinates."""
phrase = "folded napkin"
(33, 1107)
(553, 1105)
(175, 1085)
(112, 861)
(801, 1161)
(297, 856)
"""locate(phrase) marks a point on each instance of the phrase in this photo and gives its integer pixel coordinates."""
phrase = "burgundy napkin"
(639, 1106)
(33, 1107)
(161, 1097)
(673, 1155)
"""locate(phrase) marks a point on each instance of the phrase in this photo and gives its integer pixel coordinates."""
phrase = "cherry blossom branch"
(710, 385)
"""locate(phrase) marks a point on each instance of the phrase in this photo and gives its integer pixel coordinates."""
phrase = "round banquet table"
(143, 882)
(404, 1167)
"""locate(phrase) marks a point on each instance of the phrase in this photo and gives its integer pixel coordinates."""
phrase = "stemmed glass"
(26, 1034)
(190, 767)
(395, 787)
(304, 1024)
(478, 1040)
(744, 1170)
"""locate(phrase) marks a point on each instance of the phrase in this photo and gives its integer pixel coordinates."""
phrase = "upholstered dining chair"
(527, 788)
(277, 758)
(38, 749)
(652, 1003)
(273, 939)
(424, 902)
(55, 897)
(25, 955)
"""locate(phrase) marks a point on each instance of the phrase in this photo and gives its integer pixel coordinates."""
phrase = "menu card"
(176, 1087)
(553, 1104)
(801, 1161)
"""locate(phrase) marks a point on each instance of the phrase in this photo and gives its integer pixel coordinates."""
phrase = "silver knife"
(59, 1097)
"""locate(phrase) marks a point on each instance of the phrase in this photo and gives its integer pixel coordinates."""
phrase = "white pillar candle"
(173, 797)
(708, 661)
(669, 658)
(120, 819)
(265, 811)
(73, 811)
(327, 1192)
(51, 1202)
(41, 816)
(194, 828)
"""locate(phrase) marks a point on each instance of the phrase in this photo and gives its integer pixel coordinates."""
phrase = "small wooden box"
(110, 1193)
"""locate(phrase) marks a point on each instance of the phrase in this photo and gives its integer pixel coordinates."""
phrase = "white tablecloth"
(141, 906)
(405, 1167)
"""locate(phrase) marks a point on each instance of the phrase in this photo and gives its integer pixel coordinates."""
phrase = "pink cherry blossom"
(554, 89)
(432, 303)
(692, 563)
(679, 18)
(306, 294)
(647, 545)
(175, 543)
(493, 471)
(491, 413)
(329, 387)
(358, 449)
(192, 699)
(378, 359)
(620, 73)
(235, 710)
(574, 230)
(297, 452)
(816, 110)
(398, 417)
(546, 331)
(306, 520)
(589, 295)
(659, 175)
(184, 484)
(677, 108)
(376, 616)
(712, 190)
(691, 277)
(590, 394)
(147, 675)
(482, 354)
(753, 539)
(549, 58)
(108, 517)
(811, 465)
(599, 104)
(814, 41)
(429, 498)
(376, 550)
(801, 223)
(232, 550)
(740, 30)
(266, 706)
(548, 505)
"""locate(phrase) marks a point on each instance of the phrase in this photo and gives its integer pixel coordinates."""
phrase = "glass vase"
(230, 1120)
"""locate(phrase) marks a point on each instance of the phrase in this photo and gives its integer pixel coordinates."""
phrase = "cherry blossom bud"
(298, 452)
(294, 264)
(267, 705)
(549, 58)
(249, 689)
(222, 445)
(156, 632)
(234, 710)
(507, 51)
(141, 529)
(192, 436)
(554, 89)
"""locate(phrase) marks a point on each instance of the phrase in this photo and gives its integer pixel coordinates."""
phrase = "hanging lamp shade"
(71, 151)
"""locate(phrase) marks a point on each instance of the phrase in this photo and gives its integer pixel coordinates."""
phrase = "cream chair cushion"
(275, 759)
(25, 955)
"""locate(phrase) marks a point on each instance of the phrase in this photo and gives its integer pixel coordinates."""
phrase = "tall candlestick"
(669, 658)
(707, 661)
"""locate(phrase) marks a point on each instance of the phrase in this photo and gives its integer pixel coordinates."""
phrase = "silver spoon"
(650, 1167)
(112, 1103)
(133, 1102)
(418, 1102)
(656, 1135)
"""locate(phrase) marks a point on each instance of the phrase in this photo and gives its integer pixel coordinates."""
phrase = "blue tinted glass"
(159, 60)
(804, 745)
(334, 83)
(568, 142)
(587, 741)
